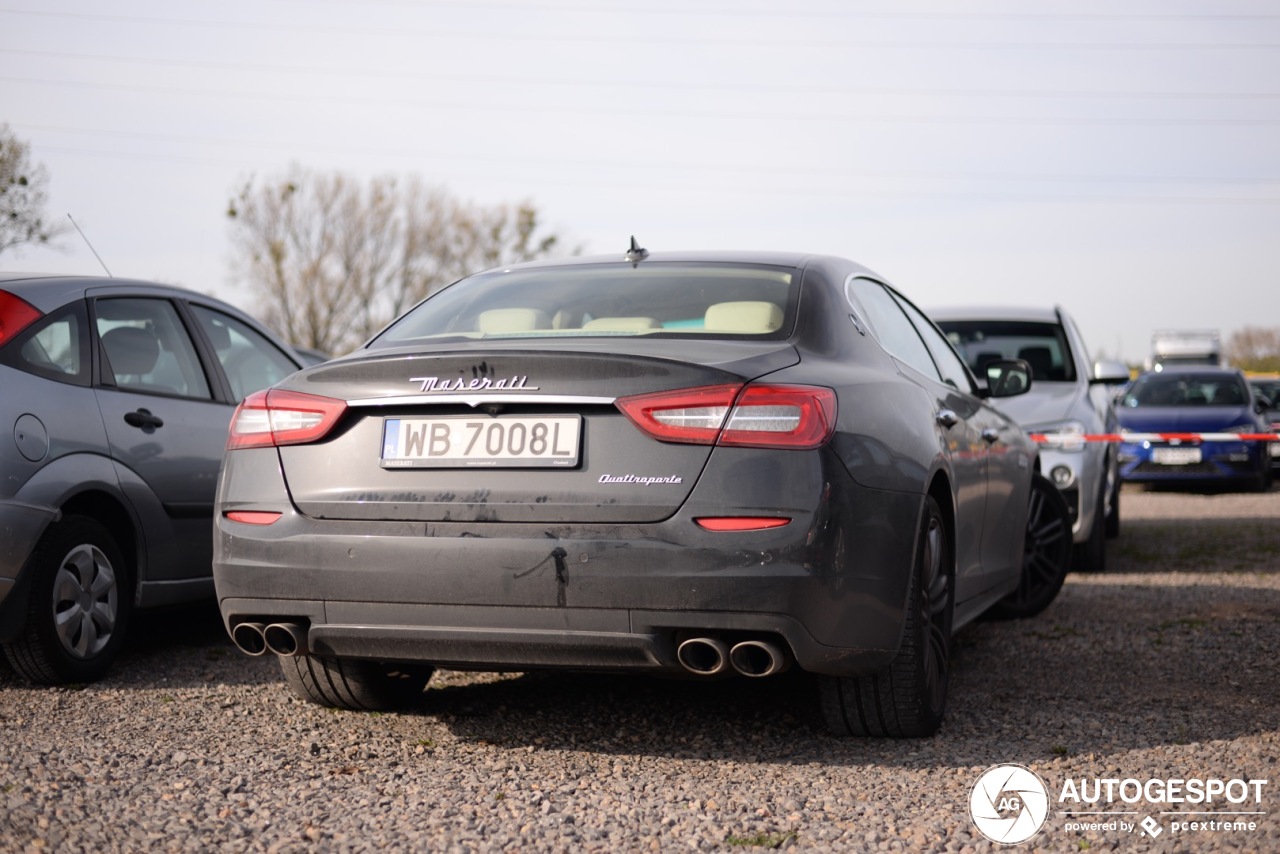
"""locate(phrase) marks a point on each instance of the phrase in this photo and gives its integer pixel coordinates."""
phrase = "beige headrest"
(512, 320)
(743, 317)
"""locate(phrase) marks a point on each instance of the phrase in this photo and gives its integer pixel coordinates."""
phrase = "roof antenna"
(636, 253)
(91, 249)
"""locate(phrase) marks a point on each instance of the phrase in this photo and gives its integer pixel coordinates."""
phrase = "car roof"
(1037, 314)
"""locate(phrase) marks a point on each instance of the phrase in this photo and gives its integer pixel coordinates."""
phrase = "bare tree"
(23, 194)
(334, 261)
(1254, 348)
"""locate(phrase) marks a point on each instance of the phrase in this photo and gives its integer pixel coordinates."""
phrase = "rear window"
(1042, 345)
(653, 299)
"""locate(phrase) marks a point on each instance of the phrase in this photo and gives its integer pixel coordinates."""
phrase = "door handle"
(144, 419)
(990, 435)
(947, 418)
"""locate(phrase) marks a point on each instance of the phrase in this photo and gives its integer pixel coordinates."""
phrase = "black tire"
(1113, 508)
(1046, 557)
(1091, 555)
(355, 684)
(908, 699)
(1113, 517)
(78, 607)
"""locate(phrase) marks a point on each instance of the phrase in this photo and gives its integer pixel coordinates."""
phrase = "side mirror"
(1109, 372)
(1007, 378)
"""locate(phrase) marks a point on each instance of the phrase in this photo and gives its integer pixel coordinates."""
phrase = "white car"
(1069, 399)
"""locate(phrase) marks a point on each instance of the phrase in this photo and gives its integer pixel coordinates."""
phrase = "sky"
(1119, 158)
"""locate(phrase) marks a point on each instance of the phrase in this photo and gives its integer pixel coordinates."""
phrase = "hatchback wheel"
(78, 606)
(355, 684)
(1046, 557)
(909, 698)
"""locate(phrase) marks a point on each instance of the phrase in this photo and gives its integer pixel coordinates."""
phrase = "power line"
(686, 10)
(790, 191)
(683, 86)
(541, 108)
(644, 37)
(632, 166)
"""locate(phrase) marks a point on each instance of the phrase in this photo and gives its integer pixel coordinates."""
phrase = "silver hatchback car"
(116, 399)
(1068, 401)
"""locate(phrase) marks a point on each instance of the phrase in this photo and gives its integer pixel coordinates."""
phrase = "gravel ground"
(1162, 667)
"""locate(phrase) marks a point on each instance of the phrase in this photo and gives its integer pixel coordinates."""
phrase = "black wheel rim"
(1048, 541)
(935, 613)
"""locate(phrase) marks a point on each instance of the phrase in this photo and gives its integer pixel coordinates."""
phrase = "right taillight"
(758, 416)
(16, 314)
(274, 417)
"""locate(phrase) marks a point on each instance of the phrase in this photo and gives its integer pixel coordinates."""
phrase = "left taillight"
(274, 417)
(762, 415)
(16, 314)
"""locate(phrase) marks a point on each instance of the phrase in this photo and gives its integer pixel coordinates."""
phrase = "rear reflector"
(755, 416)
(740, 523)
(16, 314)
(252, 517)
(273, 417)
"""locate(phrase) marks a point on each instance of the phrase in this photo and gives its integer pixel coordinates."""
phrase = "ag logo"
(1009, 804)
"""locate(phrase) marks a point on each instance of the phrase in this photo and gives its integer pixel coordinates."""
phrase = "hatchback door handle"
(947, 418)
(144, 419)
(990, 435)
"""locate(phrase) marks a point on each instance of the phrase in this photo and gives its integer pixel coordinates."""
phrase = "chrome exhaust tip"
(285, 639)
(703, 656)
(249, 639)
(757, 658)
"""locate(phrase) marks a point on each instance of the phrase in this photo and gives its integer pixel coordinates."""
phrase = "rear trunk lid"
(509, 433)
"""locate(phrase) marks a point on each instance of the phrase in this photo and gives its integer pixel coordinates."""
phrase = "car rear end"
(545, 469)
(44, 378)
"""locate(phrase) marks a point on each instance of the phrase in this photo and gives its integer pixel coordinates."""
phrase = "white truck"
(1185, 347)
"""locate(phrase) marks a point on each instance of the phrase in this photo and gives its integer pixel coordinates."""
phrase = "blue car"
(1196, 425)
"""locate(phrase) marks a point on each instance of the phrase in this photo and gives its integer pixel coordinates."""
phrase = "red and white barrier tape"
(1059, 439)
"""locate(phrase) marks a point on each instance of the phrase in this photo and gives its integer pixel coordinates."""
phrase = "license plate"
(1175, 456)
(466, 442)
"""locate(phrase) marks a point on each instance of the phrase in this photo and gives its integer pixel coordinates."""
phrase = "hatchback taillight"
(755, 416)
(273, 417)
(16, 314)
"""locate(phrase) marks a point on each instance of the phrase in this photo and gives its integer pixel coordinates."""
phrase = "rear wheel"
(1046, 556)
(78, 607)
(355, 684)
(908, 699)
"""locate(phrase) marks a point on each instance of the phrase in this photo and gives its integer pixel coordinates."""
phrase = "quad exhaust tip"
(703, 656)
(710, 656)
(249, 638)
(286, 639)
(757, 658)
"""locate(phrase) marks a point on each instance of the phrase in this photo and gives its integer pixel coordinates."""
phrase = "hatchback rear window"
(661, 300)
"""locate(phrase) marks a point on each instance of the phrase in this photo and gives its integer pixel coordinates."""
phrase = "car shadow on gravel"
(190, 646)
(1107, 668)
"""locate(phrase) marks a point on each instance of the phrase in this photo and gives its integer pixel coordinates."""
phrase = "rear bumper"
(515, 596)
